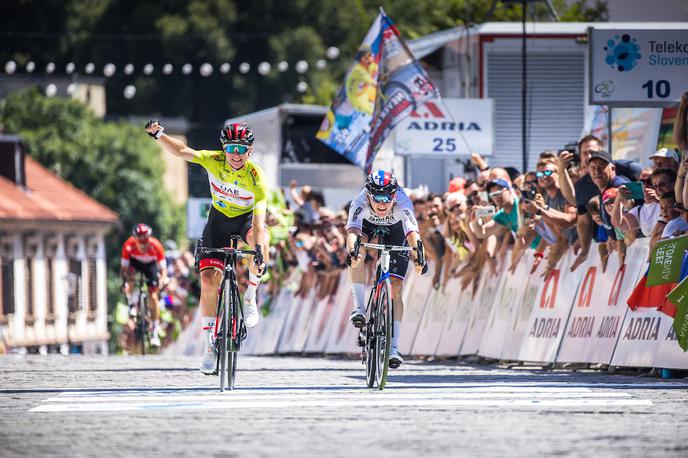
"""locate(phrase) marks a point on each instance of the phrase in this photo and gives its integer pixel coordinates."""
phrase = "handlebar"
(227, 250)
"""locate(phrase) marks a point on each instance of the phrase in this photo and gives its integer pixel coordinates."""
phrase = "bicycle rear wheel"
(370, 348)
(383, 334)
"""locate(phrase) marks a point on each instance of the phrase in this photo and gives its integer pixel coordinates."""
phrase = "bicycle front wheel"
(224, 334)
(370, 339)
(383, 334)
(234, 337)
(143, 321)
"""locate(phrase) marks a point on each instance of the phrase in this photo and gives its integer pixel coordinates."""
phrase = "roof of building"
(427, 44)
(48, 197)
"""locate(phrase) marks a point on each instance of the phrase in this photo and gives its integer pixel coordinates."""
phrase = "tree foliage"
(113, 162)
(217, 31)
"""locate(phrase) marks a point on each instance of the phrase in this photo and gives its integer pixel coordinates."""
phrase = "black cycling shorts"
(398, 260)
(149, 270)
(217, 233)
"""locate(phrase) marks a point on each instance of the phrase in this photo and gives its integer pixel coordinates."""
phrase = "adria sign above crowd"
(436, 128)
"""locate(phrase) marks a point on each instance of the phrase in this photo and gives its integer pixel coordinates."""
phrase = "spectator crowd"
(576, 198)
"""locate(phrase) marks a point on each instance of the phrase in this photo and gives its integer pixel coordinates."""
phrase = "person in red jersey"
(144, 253)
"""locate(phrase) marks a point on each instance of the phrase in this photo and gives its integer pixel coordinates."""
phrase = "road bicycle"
(376, 336)
(230, 329)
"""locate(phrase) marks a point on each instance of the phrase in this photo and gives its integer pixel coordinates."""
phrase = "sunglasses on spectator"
(531, 182)
(233, 148)
(455, 207)
(545, 173)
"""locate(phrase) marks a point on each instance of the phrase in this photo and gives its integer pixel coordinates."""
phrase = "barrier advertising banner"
(437, 313)
(500, 322)
(548, 317)
(342, 336)
(482, 307)
(455, 327)
(599, 308)
(415, 296)
(643, 330)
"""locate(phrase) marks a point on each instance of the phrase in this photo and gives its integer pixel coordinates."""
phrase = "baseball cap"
(609, 194)
(457, 184)
(498, 182)
(601, 154)
(671, 153)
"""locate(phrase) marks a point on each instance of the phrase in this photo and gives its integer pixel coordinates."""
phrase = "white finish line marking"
(502, 396)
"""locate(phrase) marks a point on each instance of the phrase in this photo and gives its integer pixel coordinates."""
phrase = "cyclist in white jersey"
(382, 203)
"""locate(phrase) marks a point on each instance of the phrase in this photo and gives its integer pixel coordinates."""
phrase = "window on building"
(28, 287)
(74, 286)
(92, 286)
(50, 285)
(6, 287)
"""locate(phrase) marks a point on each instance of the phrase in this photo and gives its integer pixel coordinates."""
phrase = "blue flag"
(383, 86)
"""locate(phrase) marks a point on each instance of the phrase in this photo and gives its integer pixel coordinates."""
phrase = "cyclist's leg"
(130, 285)
(211, 268)
(357, 276)
(251, 315)
(151, 273)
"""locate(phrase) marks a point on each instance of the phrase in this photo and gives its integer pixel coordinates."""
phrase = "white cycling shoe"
(251, 315)
(395, 359)
(209, 363)
(155, 338)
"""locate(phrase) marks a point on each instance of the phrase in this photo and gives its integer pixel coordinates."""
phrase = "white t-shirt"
(402, 211)
(675, 225)
(647, 216)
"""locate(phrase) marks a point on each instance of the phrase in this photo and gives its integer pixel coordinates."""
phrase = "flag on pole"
(383, 86)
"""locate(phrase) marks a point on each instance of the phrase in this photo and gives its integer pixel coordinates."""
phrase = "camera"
(529, 194)
(572, 148)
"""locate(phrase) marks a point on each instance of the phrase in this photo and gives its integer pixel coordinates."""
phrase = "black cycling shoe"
(358, 319)
(395, 359)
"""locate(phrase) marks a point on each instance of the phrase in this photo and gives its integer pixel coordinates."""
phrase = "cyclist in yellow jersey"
(239, 194)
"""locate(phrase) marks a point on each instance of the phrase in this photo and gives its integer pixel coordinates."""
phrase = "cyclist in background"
(239, 196)
(144, 253)
(382, 203)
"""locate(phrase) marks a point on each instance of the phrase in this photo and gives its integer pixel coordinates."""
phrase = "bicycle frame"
(375, 357)
(230, 339)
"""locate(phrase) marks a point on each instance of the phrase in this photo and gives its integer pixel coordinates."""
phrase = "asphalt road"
(162, 406)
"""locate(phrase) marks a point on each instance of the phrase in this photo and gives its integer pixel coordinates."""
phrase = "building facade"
(53, 281)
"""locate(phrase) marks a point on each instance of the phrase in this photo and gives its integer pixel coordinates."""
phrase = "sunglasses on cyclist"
(494, 194)
(233, 148)
(382, 198)
(546, 173)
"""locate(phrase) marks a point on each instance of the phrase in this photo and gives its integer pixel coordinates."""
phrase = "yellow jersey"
(234, 192)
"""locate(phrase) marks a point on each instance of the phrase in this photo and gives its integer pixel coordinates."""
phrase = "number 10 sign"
(638, 67)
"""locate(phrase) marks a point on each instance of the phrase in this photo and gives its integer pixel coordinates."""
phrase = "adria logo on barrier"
(623, 52)
(547, 302)
(585, 295)
(616, 286)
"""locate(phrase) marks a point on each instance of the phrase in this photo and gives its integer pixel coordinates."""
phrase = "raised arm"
(170, 144)
(565, 183)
